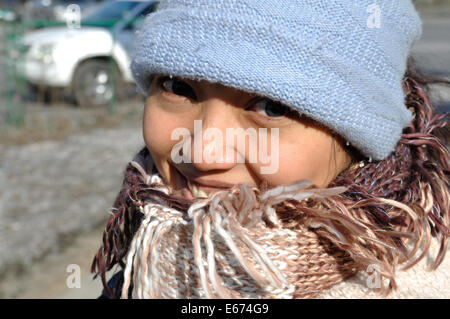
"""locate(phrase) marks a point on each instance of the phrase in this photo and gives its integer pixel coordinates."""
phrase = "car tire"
(96, 83)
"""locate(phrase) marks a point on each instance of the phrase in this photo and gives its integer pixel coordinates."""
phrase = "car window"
(111, 11)
(149, 9)
(137, 21)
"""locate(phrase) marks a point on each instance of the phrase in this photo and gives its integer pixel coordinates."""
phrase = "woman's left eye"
(270, 108)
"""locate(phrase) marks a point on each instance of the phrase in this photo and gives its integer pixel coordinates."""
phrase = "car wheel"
(96, 83)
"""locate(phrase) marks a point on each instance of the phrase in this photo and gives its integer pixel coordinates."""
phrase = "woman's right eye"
(176, 86)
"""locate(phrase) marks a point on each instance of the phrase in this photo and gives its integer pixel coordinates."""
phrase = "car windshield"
(109, 13)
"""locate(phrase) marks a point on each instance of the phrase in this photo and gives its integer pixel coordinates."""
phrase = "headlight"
(43, 52)
(59, 12)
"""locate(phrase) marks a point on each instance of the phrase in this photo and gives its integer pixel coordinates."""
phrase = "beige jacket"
(415, 282)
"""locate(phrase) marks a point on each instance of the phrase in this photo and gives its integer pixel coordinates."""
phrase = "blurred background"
(70, 120)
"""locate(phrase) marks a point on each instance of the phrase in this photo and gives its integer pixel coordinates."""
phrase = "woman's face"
(275, 146)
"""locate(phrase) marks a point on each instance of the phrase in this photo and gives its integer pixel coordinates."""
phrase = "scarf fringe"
(229, 213)
(215, 215)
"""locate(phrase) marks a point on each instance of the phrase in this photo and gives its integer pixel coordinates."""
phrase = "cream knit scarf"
(229, 246)
(246, 243)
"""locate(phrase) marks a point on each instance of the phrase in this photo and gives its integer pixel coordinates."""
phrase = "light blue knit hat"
(340, 62)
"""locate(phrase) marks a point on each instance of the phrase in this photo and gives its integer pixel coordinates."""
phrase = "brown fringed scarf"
(290, 241)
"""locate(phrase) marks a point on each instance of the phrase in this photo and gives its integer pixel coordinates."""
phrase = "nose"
(212, 146)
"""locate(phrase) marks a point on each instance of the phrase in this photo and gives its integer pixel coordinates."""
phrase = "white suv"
(93, 60)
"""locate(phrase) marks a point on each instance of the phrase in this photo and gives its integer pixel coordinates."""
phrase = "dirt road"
(52, 192)
(48, 279)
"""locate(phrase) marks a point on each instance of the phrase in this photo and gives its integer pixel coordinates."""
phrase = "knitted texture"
(290, 241)
(325, 58)
(224, 247)
(415, 283)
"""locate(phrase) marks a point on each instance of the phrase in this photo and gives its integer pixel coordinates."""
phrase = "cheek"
(158, 126)
(308, 157)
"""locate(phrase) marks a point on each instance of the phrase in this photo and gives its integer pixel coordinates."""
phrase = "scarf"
(231, 245)
(291, 241)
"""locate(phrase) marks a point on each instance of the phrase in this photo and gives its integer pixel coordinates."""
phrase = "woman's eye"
(177, 87)
(270, 108)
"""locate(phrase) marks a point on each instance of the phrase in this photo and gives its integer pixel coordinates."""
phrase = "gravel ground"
(54, 190)
(47, 279)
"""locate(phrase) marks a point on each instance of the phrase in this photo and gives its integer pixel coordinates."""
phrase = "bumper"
(48, 74)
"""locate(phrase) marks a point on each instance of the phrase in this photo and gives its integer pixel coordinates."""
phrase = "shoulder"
(417, 282)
